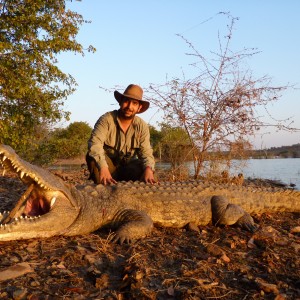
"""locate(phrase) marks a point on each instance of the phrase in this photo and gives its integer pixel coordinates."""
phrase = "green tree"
(72, 141)
(32, 87)
(155, 140)
(63, 143)
(175, 144)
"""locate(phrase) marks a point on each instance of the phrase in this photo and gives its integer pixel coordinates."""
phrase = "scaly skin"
(130, 207)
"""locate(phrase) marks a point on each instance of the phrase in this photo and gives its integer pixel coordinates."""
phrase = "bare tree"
(219, 107)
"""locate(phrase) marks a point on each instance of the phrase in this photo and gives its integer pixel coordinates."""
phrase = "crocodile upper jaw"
(46, 209)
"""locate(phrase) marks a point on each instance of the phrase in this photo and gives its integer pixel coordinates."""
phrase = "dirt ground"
(212, 263)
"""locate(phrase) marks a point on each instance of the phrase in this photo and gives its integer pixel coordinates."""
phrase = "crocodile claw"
(247, 222)
(121, 239)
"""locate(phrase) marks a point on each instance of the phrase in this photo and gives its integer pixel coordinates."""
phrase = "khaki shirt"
(108, 138)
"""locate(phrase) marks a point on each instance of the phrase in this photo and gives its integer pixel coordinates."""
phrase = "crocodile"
(51, 207)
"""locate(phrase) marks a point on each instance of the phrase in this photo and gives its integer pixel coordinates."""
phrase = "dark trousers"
(132, 170)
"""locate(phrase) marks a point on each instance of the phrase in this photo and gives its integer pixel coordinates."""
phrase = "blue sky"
(136, 42)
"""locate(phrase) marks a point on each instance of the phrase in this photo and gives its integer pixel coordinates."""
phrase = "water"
(65, 167)
(287, 170)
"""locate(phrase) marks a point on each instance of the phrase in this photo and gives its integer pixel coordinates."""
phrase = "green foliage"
(176, 145)
(45, 154)
(32, 87)
(292, 151)
(72, 141)
(171, 144)
(64, 143)
(155, 140)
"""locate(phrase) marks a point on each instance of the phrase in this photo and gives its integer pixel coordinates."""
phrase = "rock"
(214, 250)
(296, 246)
(193, 227)
(102, 282)
(225, 258)
(295, 229)
(15, 271)
(19, 294)
(269, 234)
(267, 287)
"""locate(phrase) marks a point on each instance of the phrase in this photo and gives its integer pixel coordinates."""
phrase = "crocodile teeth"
(22, 174)
(52, 201)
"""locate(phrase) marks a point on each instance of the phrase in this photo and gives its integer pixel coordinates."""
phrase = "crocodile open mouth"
(37, 205)
(28, 207)
(48, 206)
(37, 200)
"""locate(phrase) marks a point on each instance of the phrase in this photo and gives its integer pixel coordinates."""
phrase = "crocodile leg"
(224, 213)
(132, 224)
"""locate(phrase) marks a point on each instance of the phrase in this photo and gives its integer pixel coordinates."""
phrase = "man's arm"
(97, 139)
(96, 148)
(146, 154)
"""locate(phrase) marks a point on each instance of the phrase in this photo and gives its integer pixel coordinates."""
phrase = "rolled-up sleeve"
(97, 140)
(146, 152)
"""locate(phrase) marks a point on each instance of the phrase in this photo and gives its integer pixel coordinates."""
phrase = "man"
(119, 147)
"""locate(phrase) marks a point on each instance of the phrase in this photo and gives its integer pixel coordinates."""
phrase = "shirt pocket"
(111, 140)
(135, 142)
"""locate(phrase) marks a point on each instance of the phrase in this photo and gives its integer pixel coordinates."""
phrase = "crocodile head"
(48, 207)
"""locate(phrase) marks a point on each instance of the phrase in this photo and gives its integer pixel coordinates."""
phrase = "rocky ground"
(212, 263)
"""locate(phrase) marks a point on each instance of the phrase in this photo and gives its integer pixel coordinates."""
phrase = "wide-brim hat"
(135, 92)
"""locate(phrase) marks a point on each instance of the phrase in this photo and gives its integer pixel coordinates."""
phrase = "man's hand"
(105, 176)
(148, 176)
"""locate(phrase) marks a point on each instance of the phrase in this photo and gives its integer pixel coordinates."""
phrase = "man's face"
(129, 108)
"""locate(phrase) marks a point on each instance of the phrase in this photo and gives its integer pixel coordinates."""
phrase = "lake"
(286, 170)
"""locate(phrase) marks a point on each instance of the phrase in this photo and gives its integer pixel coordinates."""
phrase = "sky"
(137, 42)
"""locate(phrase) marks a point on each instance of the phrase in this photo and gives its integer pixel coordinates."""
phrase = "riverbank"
(280, 172)
(205, 263)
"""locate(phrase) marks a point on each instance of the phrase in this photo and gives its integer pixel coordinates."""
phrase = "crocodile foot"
(134, 225)
(247, 222)
(225, 213)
